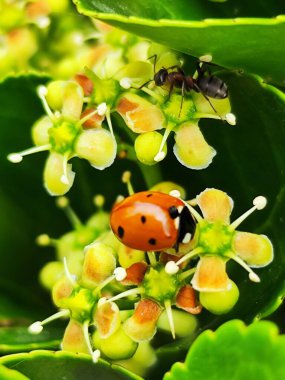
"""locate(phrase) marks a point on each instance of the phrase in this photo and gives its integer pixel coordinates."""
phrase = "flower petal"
(215, 205)
(191, 149)
(210, 275)
(186, 300)
(142, 324)
(256, 250)
(74, 339)
(107, 319)
(139, 114)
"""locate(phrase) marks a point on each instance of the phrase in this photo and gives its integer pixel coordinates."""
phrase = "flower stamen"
(126, 178)
(259, 204)
(167, 305)
(63, 203)
(15, 158)
(69, 276)
(252, 275)
(37, 327)
(160, 154)
(172, 267)
(42, 92)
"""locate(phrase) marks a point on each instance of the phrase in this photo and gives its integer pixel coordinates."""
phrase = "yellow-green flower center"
(215, 238)
(63, 135)
(159, 285)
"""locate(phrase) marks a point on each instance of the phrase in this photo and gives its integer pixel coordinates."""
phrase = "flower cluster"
(119, 80)
(157, 286)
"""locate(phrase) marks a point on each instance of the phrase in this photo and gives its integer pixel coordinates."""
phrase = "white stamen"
(171, 267)
(102, 109)
(78, 38)
(15, 158)
(252, 275)
(42, 92)
(64, 178)
(35, 328)
(167, 305)
(175, 193)
(126, 83)
(18, 157)
(190, 254)
(231, 118)
(101, 301)
(88, 116)
(127, 293)
(120, 273)
(70, 277)
(260, 202)
(62, 202)
(159, 156)
(109, 122)
(186, 238)
(96, 356)
(206, 58)
(87, 338)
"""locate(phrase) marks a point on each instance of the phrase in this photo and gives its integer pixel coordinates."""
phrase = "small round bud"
(126, 176)
(62, 202)
(35, 328)
(43, 240)
(260, 202)
(99, 200)
(220, 302)
(147, 148)
(171, 268)
(230, 118)
(15, 158)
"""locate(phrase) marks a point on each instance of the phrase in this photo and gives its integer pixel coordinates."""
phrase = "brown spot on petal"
(125, 106)
(186, 300)
(85, 83)
(147, 311)
(73, 339)
(37, 9)
(135, 273)
(94, 121)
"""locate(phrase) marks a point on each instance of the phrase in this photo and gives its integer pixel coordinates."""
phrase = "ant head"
(160, 77)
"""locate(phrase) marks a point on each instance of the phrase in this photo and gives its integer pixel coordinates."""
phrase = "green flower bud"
(51, 273)
(147, 146)
(110, 239)
(98, 147)
(117, 346)
(58, 6)
(220, 302)
(184, 323)
(100, 221)
(128, 256)
(167, 186)
(55, 94)
(40, 134)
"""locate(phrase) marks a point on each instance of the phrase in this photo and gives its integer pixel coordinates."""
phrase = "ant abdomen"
(212, 87)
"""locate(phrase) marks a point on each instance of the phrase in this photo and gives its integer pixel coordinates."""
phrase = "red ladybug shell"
(142, 221)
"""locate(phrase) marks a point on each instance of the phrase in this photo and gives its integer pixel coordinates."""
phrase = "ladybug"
(152, 221)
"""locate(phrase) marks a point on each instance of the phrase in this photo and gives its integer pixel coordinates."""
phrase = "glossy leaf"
(11, 374)
(18, 339)
(177, 25)
(46, 365)
(234, 351)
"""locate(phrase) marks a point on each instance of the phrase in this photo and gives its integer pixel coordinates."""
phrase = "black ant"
(208, 85)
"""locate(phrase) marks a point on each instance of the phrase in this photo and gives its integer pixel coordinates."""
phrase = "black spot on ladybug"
(152, 241)
(149, 195)
(143, 219)
(173, 212)
(121, 232)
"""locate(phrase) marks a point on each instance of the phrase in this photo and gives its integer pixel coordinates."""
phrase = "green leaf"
(236, 352)
(46, 365)
(11, 374)
(252, 44)
(18, 339)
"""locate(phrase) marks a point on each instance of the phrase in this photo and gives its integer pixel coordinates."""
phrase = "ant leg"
(170, 89)
(208, 100)
(182, 98)
(154, 63)
(139, 88)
